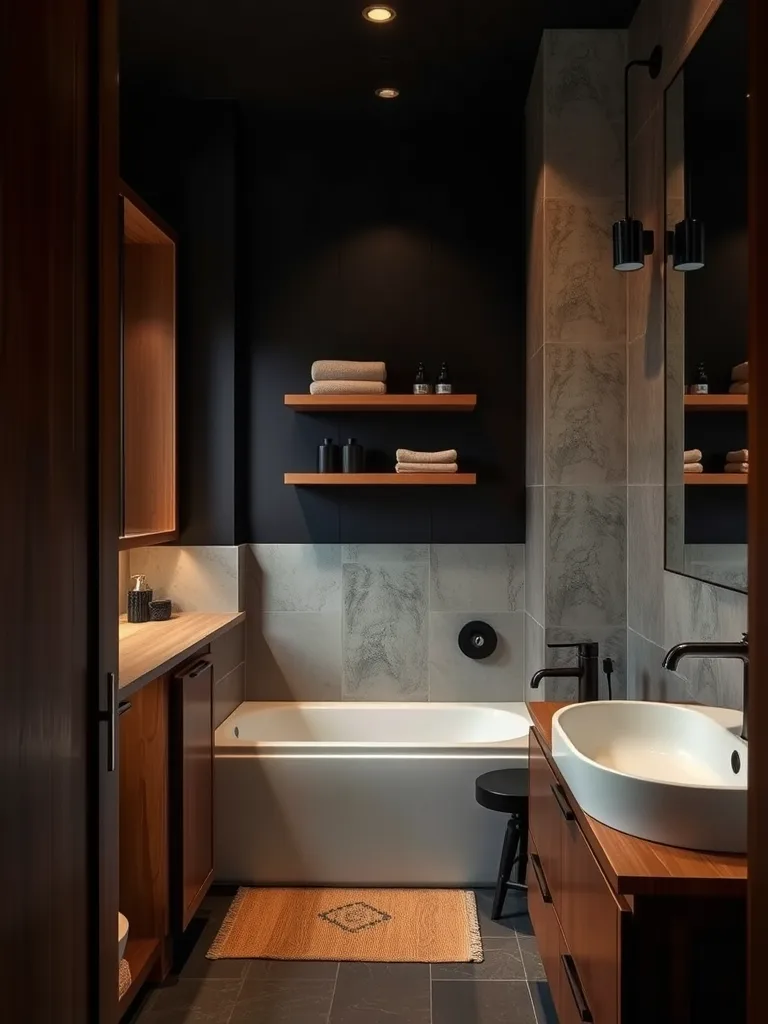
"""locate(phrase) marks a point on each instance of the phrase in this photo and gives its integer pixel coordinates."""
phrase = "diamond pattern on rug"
(355, 917)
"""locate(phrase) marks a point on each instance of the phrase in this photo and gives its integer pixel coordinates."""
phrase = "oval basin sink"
(662, 772)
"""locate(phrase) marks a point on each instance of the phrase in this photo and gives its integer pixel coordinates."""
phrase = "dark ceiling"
(309, 53)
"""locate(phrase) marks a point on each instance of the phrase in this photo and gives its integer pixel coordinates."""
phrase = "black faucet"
(585, 672)
(715, 649)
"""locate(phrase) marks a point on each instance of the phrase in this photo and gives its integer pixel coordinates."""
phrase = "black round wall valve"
(478, 640)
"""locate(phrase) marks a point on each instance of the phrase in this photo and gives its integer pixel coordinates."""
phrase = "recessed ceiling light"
(389, 92)
(379, 14)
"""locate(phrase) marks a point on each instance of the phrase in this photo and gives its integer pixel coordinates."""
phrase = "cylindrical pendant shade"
(628, 245)
(688, 245)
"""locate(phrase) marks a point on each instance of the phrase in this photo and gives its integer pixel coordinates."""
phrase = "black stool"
(499, 791)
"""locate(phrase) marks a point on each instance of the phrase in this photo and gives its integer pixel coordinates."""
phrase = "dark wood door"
(192, 770)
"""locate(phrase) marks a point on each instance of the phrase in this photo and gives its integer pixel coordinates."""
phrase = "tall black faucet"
(716, 649)
(586, 671)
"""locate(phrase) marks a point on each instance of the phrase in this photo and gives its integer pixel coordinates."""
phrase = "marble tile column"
(576, 371)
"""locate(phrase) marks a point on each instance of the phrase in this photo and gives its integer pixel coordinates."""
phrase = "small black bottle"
(421, 385)
(353, 457)
(328, 456)
(443, 386)
(700, 384)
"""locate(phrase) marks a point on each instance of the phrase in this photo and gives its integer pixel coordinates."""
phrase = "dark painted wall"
(385, 239)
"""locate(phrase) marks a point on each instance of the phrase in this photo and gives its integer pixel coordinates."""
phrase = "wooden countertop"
(150, 649)
(637, 867)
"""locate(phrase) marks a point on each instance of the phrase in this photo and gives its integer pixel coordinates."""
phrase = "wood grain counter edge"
(150, 649)
(635, 866)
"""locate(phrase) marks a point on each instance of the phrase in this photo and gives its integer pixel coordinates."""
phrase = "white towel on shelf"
(740, 372)
(739, 389)
(693, 467)
(740, 455)
(692, 455)
(347, 387)
(737, 467)
(406, 455)
(426, 467)
(348, 369)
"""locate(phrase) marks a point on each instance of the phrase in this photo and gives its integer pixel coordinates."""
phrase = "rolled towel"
(739, 389)
(737, 467)
(406, 455)
(348, 369)
(347, 387)
(426, 467)
(742, 455)
(693, 467)
(740, 372)
(692, 455)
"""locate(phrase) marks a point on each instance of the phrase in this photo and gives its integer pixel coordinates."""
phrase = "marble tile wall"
(196, 579)
(576, 410)
(380, 622)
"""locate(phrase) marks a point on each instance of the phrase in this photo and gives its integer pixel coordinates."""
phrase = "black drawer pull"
(123, 706)
(199, 668)
(562, 803)
(582, 1008)
(538, 870)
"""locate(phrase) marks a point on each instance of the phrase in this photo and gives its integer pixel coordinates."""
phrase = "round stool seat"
(500, 791)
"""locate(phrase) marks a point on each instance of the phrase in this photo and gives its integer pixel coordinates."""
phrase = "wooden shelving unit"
(381, 403)
(716, 403)
(142, 955)
(717, 479)
(379, 479)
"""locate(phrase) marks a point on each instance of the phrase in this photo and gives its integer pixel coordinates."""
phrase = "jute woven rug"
(371, 925)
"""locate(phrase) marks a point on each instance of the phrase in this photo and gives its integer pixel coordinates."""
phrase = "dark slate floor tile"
(193, 963)
(503, 962)
(283, 1001)
(192, 1002)
(481, 1002)
(306, 970)
(542, 1002)
(534, 969)
(514, 919)
(382, 994)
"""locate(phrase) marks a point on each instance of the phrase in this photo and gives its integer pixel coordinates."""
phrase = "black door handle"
(562, 802)
(582, 1007)
(538, 870)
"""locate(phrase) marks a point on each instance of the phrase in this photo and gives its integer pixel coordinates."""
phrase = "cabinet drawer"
(545, 818)
(544, 919)
(569, 996)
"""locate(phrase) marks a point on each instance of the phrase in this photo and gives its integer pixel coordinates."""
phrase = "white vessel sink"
(662, 772)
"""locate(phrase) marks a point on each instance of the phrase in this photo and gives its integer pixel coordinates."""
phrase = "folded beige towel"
(692, 455)
(737, 467)
(739, 389)
(426, 467)
(347, 387)
(693, 467)
(740, 372)
(348, 369)
(741, 455)
(406, 455)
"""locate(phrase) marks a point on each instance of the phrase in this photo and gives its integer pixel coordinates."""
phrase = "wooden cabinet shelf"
(142, 955)
(381, 403)
(378, 479)
(716, 403)
(717, 479)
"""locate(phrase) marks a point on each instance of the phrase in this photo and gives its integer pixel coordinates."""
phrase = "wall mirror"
(707, 376)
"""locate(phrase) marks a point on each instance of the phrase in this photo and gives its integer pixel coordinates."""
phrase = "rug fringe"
(215, 951)
(476, 955)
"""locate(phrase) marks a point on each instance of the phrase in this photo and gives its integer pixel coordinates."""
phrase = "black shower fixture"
(631, 242)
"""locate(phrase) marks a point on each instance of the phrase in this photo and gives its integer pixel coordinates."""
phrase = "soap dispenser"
(138, 599)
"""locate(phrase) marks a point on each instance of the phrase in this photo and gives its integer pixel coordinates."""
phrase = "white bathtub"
(362, 794)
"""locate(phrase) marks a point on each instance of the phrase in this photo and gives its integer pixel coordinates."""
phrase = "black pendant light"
(631, 242)
(686, 243)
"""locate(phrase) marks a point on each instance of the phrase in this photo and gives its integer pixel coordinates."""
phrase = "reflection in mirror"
(707, 375)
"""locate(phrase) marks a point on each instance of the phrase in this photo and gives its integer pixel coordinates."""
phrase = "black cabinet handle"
(582, 1007)
(538, 870)
(123, 706)
(562, 802)
(199, 668)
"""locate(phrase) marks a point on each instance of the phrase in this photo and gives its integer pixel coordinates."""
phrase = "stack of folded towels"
(692, 461)
(426, 462)
(738, 461)
(740, 379)
(346, 377)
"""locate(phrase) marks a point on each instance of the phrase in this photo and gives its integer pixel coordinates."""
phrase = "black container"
(138, 605)
(353, 457)
(328, 457)
(159, 611)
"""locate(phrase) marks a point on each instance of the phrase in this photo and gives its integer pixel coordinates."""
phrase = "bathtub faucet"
(586, 671)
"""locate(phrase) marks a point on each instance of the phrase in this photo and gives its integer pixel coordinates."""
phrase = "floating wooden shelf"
(381, 403)
(716, 403)
(717, 478)
(378, 479)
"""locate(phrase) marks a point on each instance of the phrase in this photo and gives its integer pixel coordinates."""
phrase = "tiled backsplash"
(196, 579)
(381, 621)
